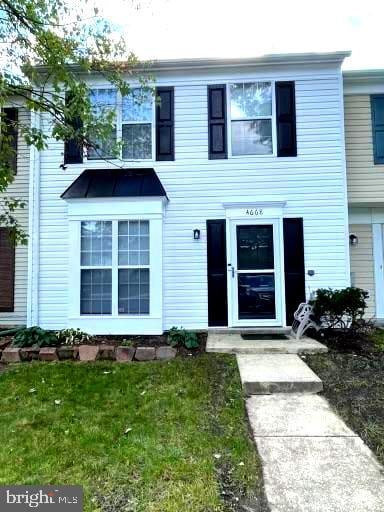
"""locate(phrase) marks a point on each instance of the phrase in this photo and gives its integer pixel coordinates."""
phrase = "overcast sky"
(241, 28)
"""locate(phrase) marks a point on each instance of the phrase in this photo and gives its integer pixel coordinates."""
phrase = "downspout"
(33, 230)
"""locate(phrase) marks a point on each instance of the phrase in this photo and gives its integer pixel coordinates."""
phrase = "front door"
(255, 274)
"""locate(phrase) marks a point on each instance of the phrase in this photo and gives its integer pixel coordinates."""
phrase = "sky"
(166, 29)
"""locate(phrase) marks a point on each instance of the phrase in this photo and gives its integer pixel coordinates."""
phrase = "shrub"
(341, 309)
(126, 343)
(72, 337)
(34, 336)
(181, 337)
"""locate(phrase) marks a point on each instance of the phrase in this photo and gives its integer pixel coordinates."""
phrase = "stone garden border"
(104, 352)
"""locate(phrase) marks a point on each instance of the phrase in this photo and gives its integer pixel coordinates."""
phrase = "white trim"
(378, 256)
(272, 117)
(345, 187)
(33, 230)
(278, 272)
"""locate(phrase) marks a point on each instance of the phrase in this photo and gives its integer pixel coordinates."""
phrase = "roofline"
(263, 60)
(363, 75)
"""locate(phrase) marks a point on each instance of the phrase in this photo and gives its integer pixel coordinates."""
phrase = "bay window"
(251, 113)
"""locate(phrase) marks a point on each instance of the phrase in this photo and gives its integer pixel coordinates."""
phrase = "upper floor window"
(251, 114)
(377, 107)
(134, 123)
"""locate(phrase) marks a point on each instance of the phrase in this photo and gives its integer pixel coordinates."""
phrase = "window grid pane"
(137, 141)
(96, 292)
(251, 100)
(96, 243)
(134, 291)
(137, 106)
(134, 242)
(252, 137)
(102, 102)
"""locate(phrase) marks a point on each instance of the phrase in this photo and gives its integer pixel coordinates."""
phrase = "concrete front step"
(264, 374)
(235, 344)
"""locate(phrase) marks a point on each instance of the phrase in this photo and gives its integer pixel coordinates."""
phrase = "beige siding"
(365, 179)
(19, 189)
(362, 264)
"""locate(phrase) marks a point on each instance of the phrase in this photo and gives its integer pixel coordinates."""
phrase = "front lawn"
(354, 385)
(142, 437)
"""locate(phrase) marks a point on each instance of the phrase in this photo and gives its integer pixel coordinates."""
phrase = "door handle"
(232, 270)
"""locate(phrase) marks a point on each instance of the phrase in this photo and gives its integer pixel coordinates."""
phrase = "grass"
(153, 437)
(354, 385)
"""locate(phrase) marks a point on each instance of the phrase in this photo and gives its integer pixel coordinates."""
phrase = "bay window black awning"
(115, 183)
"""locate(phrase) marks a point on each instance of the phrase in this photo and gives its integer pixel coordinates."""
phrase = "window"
(115, 264)
(96, 268)
(137, 115)
(377, 107)
(134, 122)
(251, 118)
(133, 261)
(103, 101)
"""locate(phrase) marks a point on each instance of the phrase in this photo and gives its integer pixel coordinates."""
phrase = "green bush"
(72, 337)
(34, 336)
(341, 309)
(180, 337)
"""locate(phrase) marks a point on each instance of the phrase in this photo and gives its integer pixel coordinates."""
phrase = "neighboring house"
(14, 259)
(364, 135)
(228, 207)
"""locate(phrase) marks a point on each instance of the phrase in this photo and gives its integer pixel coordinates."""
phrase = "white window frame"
(119, 126)
(117, 209)
(272, 117)
(115, 267)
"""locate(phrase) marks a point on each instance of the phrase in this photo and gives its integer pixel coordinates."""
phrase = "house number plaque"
(254, 212)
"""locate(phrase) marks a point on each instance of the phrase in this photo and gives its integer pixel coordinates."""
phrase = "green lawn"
(164, 437)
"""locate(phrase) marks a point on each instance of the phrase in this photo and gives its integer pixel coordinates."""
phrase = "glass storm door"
(255, 274)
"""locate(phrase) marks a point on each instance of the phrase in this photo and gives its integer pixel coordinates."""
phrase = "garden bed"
(353, 378)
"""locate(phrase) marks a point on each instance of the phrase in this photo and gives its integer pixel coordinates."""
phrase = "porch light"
(353, 239)
(196, 234)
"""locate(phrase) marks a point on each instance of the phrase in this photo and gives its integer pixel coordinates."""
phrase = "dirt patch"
(354, 385)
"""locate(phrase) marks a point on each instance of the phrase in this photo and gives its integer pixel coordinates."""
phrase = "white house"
(227, 208)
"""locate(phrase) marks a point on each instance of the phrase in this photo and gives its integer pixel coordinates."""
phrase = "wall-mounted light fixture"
(196, 234)
(353, 239)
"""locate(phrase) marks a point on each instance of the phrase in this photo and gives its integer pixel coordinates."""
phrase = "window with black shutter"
(7, 271)
(286, 119)
(10, 119)
(165, 145)
(217, 122)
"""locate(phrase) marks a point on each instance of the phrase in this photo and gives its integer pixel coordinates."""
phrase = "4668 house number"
(254, 212)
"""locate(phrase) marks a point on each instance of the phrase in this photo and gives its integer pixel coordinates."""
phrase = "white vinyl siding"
(312, 184)
(362, 265)
(19, 189)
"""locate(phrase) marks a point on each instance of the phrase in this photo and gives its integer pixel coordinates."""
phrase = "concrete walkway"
(312, 462)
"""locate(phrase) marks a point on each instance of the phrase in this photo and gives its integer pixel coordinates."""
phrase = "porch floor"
(232, 343)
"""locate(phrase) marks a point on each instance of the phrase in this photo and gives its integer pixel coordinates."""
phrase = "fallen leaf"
(127, 430)
(217, 455)
(142, 393)
(106, 373)
(241, 464)
(57, 402)
(32, 390)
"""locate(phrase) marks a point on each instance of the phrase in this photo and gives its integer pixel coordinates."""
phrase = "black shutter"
(286, 119)
(73, 151)
(293, 265)
(165, 124)
(7, 271)
(217, 122)
(10, 122)
(217, 273)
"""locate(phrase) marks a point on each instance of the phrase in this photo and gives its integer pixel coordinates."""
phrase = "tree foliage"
(47, 50)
